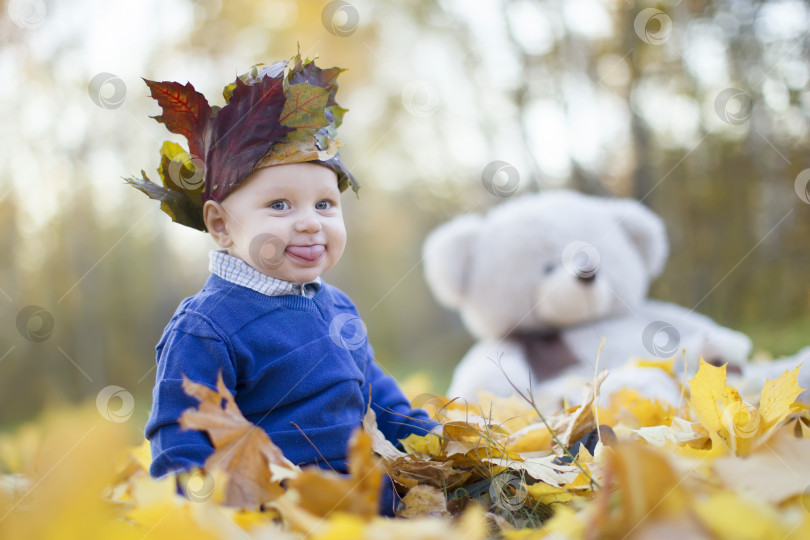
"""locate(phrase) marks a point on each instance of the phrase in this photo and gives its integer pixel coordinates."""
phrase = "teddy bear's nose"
(587, 277)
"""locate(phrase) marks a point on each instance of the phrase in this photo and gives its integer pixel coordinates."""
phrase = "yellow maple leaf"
(777, 397)
(731, 423)
(734, 425)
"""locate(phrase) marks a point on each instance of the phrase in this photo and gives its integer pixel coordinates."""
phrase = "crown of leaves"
(282, 113)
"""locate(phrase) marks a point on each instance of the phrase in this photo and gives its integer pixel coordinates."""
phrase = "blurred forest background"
(699, 109)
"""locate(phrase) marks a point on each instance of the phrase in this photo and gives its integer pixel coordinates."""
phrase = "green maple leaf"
(304, 107)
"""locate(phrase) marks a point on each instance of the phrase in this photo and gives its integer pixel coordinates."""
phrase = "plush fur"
(577, 267)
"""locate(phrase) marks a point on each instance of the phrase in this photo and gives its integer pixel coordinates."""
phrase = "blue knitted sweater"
(299, 367)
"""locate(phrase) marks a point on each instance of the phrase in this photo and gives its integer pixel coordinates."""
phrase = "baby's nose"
(308, 222)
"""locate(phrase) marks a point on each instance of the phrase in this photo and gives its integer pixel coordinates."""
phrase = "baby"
(291, 348)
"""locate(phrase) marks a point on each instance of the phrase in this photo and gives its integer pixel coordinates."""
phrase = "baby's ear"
(214, 218)
(447, 258)
(647, 231)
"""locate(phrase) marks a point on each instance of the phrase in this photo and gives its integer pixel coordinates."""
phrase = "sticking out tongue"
(308, 253)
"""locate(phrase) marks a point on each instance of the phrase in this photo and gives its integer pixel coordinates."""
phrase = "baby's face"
(286, 221)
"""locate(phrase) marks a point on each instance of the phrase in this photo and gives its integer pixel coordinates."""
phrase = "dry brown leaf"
(440, 474)
(407, 470)
(453, 448)
(323, 492)
(576, 425)
(422, 501)
(243, 450)
(379, 443)
(474, 429)
(543, 469)
(680, 431)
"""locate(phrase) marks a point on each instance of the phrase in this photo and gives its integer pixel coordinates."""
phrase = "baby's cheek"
(337, 240)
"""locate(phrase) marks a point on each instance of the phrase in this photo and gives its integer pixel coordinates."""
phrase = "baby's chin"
(296, 275)
(300, 278)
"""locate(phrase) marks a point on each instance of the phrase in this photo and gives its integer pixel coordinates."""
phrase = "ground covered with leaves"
(715, 465)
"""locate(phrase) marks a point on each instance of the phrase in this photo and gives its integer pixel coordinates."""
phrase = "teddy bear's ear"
(446, 255)
(648, 233)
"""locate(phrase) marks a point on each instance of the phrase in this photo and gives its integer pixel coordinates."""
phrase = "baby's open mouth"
(306, 253)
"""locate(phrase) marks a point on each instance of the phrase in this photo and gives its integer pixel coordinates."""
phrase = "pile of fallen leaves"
(713, 466)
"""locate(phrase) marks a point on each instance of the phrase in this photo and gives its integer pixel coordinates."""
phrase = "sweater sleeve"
(192, 347)
(395, 416)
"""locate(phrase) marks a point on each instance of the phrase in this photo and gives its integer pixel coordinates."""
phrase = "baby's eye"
(323, 205)
(279, 205)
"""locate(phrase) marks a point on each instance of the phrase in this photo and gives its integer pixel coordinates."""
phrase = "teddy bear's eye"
(549, 268)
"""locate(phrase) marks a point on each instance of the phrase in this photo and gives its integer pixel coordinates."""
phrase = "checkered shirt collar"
(235, 270)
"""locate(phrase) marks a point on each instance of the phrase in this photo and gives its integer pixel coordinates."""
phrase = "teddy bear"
(542, 279)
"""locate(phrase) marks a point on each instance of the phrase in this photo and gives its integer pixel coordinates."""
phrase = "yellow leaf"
(667, 365)
(565, 523)
(430, 444)
(324, 492)
(777, 397)
(547, 494)
(18, 449)
(649, 488)
(533, 440)
(729, 517)
(416, 385)
(512, 413)
(629, 407)
(251, 519)
(731, 423)
(341, 527)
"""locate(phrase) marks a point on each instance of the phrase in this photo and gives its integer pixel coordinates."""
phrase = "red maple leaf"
(185, 112)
